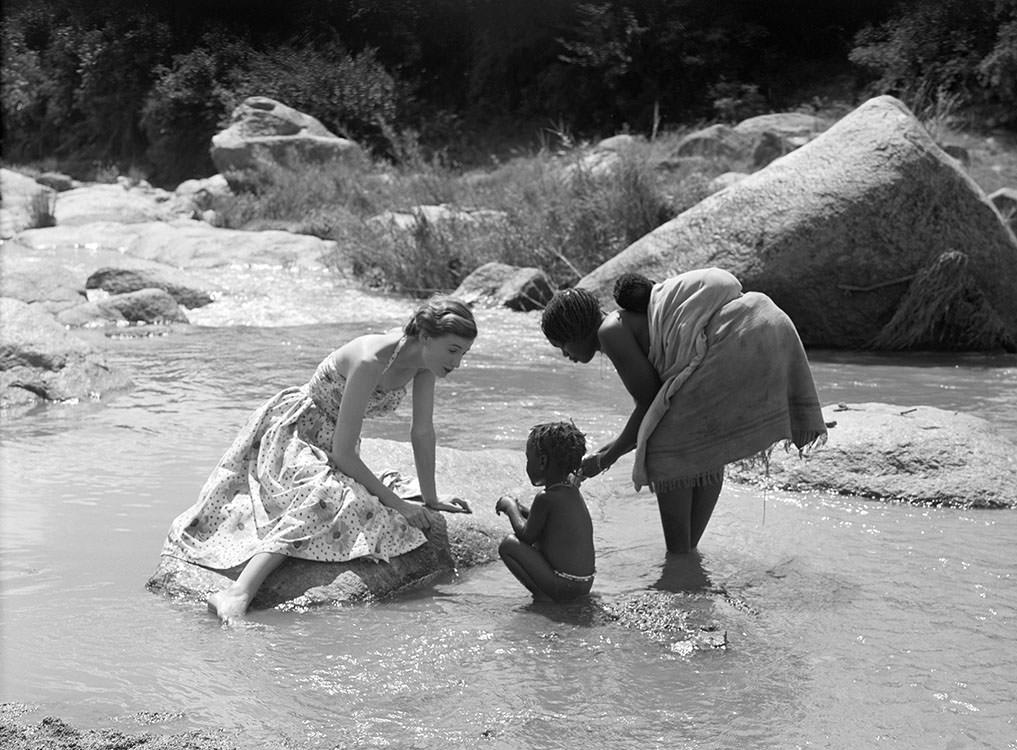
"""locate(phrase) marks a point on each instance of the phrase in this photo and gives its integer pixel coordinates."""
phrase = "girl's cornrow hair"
(632, 292)
(442, 316)
(571, 315)
(561, 439)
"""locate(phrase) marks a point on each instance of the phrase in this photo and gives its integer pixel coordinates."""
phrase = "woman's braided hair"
(571, 315)
(560, 439)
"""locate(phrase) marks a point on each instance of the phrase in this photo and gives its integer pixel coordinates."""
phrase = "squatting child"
(551, 551)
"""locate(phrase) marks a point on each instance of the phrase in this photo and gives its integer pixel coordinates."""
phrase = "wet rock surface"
(908, 454)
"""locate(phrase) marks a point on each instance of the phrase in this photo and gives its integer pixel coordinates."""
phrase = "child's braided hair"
(560, 439)
(632, 292)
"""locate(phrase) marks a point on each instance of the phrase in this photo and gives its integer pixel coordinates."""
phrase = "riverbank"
(25, 727)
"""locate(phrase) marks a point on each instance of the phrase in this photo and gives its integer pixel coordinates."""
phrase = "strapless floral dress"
(276, 491)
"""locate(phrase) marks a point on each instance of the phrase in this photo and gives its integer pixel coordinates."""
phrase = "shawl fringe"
(804, 442)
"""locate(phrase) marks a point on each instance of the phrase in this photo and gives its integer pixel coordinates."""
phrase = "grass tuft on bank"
(550, 209)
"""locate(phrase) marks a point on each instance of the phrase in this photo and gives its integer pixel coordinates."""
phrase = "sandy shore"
(24, 727)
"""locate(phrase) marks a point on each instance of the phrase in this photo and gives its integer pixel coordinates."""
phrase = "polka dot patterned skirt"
(275, 491)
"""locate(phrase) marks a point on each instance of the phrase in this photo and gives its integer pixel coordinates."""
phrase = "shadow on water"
(684, 573)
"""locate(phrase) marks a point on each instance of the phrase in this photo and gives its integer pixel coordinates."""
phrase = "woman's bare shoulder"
(621, 328)
(371, 351)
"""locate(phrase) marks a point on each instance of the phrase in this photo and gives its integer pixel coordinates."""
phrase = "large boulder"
(920, 455)
(41, 361)
(1005, 201)
(837, 230)
(456, 540)
(264, 132)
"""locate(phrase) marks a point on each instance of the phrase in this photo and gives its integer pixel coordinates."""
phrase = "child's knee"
(506, 546)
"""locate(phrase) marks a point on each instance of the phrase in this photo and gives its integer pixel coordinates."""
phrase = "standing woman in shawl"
(717, 375)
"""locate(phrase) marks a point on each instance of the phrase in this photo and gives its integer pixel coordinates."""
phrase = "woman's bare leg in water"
(231, 603)
(685, 513)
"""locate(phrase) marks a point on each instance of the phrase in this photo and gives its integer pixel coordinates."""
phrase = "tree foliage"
(117, 81)
(963, 50)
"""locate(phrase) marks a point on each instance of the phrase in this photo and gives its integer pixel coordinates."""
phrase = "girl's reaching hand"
(450, 504)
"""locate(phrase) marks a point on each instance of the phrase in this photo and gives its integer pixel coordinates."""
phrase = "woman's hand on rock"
(414, 513)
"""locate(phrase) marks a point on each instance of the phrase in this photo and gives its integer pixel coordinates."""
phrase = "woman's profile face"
(444, 354)
(579, 351)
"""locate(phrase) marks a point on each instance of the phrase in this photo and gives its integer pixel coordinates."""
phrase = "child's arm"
(526, 523)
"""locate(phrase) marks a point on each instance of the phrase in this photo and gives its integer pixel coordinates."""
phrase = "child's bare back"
(551, 551)
(566, 536)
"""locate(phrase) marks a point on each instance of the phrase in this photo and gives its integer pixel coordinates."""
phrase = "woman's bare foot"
(229, 604)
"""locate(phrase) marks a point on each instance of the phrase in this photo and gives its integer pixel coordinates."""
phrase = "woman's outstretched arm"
(423, 439)
(361, 381)
(639, 378)
(422, 435)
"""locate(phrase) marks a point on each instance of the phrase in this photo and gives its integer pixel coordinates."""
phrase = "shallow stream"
(868, 625)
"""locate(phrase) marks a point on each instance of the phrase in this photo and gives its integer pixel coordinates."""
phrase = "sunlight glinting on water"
(834, 608)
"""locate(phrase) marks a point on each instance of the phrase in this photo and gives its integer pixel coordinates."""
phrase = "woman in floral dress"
(293, 483)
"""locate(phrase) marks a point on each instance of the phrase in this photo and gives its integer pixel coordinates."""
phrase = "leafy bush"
(73, 82)
(349, 94)
(945, 49)
(189, 102)
(194, 96)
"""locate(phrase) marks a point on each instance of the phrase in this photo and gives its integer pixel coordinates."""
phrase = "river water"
(866, 625)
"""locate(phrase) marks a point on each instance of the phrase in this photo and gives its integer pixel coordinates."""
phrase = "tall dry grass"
(552, 210)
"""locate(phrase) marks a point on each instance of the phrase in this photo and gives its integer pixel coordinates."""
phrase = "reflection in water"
(684, 573)
(835, 608)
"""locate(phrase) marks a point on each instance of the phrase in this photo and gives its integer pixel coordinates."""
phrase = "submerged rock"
(919, 455)
(185, 289)
(680, 622)
(455, 540)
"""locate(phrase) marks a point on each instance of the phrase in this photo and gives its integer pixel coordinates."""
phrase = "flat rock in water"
(41, 361)
(919, 455)
(185, 243)
(456, 540)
